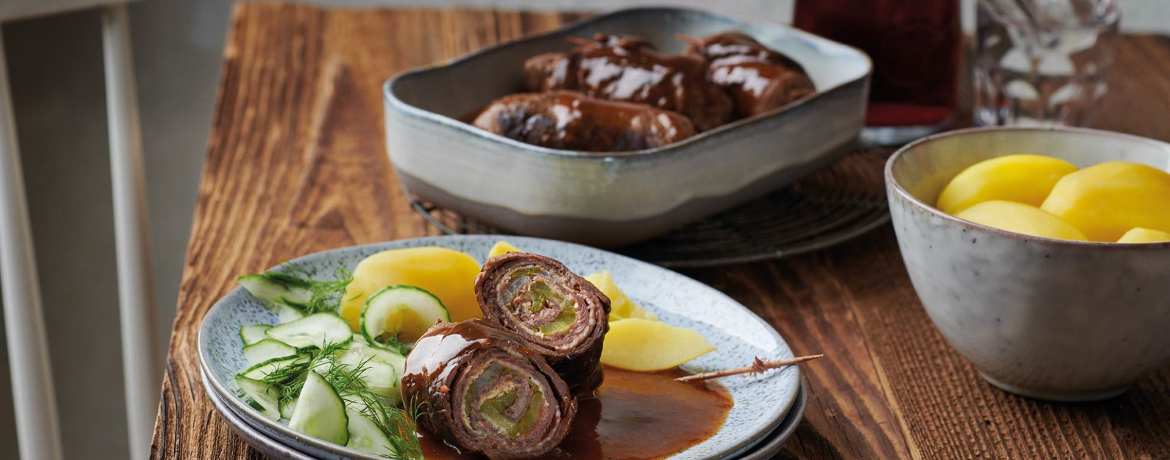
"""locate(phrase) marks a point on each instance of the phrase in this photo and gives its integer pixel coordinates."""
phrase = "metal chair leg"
(140, 351)
(37, 429)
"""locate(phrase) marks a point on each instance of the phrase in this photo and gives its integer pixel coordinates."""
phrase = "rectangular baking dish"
(611, 199)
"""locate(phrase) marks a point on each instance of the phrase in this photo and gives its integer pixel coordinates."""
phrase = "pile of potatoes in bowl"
(1047, 197)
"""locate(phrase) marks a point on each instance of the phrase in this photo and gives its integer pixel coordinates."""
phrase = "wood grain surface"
(296, 164)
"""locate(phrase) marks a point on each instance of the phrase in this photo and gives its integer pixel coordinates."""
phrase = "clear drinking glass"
(1042, 62)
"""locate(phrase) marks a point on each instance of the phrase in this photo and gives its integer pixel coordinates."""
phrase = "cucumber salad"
(315, 373)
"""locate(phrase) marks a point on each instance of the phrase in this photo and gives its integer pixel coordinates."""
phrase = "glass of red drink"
(915, 46)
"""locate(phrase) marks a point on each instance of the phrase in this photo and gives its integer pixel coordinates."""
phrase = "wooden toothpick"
(758, 366)
(580, 41)
(689, 39)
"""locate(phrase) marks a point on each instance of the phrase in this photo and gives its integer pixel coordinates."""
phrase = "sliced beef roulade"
(562, 316)
(482, 390)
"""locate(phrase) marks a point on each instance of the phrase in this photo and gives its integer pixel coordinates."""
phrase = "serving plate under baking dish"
(615, 198)
(738, 335)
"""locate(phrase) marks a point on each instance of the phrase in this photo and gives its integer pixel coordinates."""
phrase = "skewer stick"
(689, 39)
(580, 41)
(757, 367)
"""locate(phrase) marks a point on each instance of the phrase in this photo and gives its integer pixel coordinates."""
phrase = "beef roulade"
(572, 121)
(482, 390)
(758, 79)
(560, 314)
(628, 69)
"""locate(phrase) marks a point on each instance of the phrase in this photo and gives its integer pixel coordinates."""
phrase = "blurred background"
(58, 89)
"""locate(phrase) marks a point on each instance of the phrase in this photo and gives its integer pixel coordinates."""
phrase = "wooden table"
(296, 164)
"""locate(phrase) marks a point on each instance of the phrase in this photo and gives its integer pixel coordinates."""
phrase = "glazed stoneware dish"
(617, 198)
(761, 403)
(1045, 318)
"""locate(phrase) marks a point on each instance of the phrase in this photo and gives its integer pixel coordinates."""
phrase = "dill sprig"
(325, 296)
(286, 374)
(290, 379)
(393, 342)
(297, 289)
(397, 424)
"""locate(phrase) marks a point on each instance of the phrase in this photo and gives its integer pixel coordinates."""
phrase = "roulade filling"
(502, 401)
(544, 307)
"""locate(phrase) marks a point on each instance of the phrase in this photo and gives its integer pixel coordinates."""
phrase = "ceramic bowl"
(1051, 319)
(737, 333)
(618, 198)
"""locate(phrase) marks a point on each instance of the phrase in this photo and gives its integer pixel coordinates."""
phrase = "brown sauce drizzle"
(636, 415)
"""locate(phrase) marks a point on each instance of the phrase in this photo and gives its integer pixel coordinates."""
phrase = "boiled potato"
(502, 247)
(1108, 199)
(448, 274)
(1021, 218)
(621, 307)
(645, 345)
(1144, 235)
(1020, 178)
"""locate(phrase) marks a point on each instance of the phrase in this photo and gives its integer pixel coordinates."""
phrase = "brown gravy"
(637, 415)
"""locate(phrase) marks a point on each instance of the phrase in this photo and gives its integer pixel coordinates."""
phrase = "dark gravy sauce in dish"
(636, 415)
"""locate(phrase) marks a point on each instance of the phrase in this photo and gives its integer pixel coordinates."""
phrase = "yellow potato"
(1144, 235)
(645, 345)
(621, 307)
(502, 247)
(1020, 178)
(1108, 199)
(448, 274)
(1021, 218)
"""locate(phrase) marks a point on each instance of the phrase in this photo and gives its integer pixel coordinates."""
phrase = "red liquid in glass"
(914, 45)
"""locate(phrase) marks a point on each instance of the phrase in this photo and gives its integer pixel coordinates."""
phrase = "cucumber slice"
(287, 407)
(253, 333)
(401, 311)
(320, 412)
(358, 338)
(251, 402)
(267, 349)
(287, 314)
(265, 395)
(259, 371)
(278, 288)
(313, 331)
(378, 354)
(365, 436)
(383, 368)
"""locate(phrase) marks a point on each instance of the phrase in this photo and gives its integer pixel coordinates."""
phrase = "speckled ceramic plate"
(764, 450)
(737, 333)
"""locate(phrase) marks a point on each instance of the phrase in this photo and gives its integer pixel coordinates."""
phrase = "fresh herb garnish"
(303, 293)
(393, 342)
(396, 423)
(291, 378)
(325, 296)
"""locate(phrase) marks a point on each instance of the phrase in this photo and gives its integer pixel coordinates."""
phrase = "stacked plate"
(829, 207)
(751, 431)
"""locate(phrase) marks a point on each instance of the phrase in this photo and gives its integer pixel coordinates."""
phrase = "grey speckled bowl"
(1051, 319)
(619, 198)
(737, 333)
